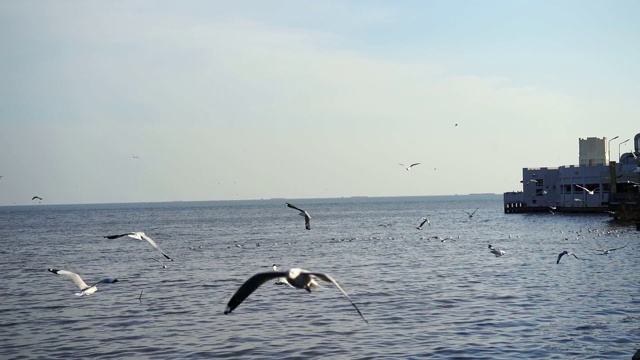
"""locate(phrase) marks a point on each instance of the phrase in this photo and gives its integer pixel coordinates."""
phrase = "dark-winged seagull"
(36, 197)
(496, 252)
(409, 167)
(470, 213)
(607, 251)
(298, 278)
(307, 217)
(565, 253)
(424, 220)
(139, 236)
(84, 288)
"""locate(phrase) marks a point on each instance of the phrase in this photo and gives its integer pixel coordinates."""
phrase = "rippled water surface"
(423, 298)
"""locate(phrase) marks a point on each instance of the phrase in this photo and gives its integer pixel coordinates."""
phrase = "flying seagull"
(84, 288)
(424, 220)
(36, 197)
(607, 251)
(298, 278)
(139, 236)
(307, 217)
(590, 192)
(410, 166)
(496, 252)
(565, 253)
(135, 157)
(470, 214)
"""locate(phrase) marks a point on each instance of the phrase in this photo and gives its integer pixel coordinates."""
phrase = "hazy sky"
(305, 99)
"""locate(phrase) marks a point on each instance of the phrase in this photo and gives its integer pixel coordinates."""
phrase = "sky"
(305, 99)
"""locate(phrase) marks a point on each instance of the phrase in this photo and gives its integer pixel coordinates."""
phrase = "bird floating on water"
(139, 236)
(84, 288)
(307, 217)
(565, 253)
(496, 252)
(298, 278)
(410, 166)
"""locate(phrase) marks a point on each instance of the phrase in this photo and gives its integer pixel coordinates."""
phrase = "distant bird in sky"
(470, 213)
(496, 252)
(424, 220)
(456, 124)
(139, 236)
(410, 166)
(298, 278)
(607, 251)
(590, 192)
(36, 197)
(135, 157)
(565, 253)
(307, 217)
(84, 288)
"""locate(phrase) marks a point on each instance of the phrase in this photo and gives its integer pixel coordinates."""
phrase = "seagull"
(424, 220)
(85, 289)
(280, 280)
(135, 157)
(590, 192)
(307, 217)
(565, 253)
(410, 166)
(607, 251)
(298, 278)
(139, 236)
(36, 197)
(496, 252)
(551, 208)
(470, 214)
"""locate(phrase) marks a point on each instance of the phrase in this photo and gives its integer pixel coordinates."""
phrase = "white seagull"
(496, 252)
(139, 236)
(424, 220)
(565, 253)
(307, 217)
(607, 251)
(84, 288)
(410, 166)
(298, 278)
(590, 192)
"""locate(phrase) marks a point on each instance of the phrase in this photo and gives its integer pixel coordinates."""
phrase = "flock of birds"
(295, 277)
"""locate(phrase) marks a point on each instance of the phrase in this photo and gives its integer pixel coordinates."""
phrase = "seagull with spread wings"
(409, 167)
(307, 217)
(139, 236)
(298, 278)
(84, 288)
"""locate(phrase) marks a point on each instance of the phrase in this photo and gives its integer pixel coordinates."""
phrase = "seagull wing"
(559, 257)
(295, 207)
(36, 197)
(574, 255)
(414, 164)
(116, 236)
(621, 247)
(422, 223)
(105, 281)
(72, 276)
(153, 243)
(328, 278)
(250, 286)
(581, 187)
(474, 211)
(307, 221)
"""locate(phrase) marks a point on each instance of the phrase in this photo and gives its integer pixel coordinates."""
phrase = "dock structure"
(595, 185)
